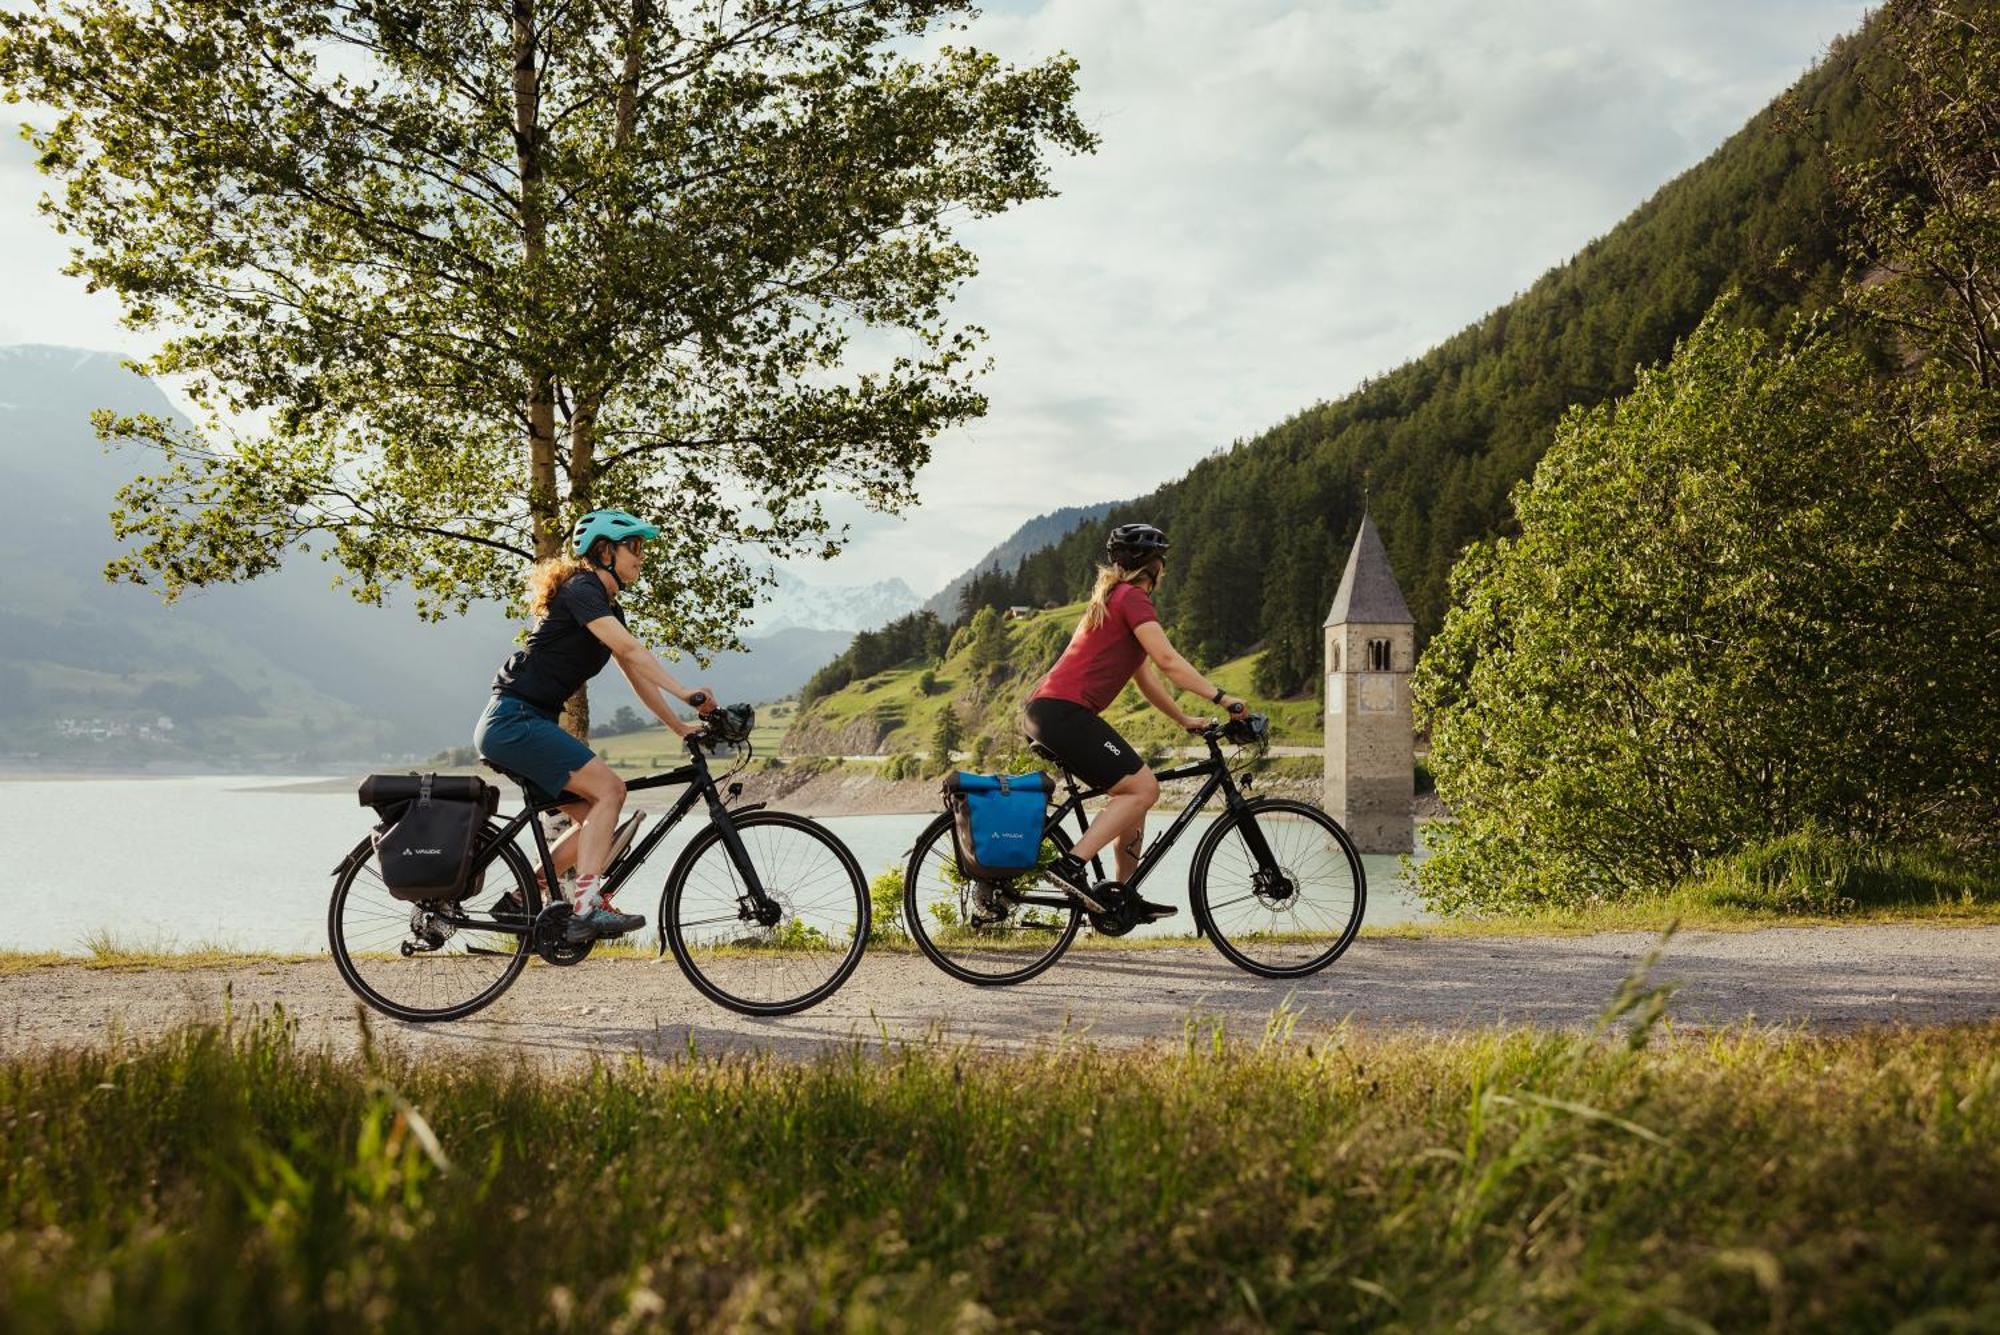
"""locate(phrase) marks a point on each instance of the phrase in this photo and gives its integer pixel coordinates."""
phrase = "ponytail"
(1110, 577)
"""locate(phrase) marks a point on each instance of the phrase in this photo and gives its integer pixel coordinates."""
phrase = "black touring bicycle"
(1275, 885)
(766, 912)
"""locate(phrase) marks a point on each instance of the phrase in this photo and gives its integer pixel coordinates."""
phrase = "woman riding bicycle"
(1118, 640)
(579, 627)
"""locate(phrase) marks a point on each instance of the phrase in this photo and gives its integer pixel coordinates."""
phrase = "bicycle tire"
(1337, 926)
(935, 858)
(383, 910)
(707, 963)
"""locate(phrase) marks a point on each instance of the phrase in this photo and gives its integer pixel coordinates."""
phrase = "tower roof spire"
(1368, 589)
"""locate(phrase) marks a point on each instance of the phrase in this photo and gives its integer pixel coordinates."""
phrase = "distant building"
(1016, 612)
(1371, 648)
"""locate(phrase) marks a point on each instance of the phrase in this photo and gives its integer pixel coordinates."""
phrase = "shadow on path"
(1825, 977)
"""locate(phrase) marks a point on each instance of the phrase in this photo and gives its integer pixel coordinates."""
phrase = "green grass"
(102, 950)
(1807, 878)
(223, 1178)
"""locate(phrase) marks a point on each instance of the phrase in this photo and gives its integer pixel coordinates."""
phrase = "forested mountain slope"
(1006, 557)
(1433, 447)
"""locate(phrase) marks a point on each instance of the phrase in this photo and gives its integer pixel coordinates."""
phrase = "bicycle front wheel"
(1291, 915)
(985, 932)
(426, 962)
(709, 920)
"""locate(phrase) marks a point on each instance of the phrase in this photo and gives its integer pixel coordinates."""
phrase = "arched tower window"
(1378, 655)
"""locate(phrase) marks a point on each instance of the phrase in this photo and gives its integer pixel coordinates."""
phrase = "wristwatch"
(1216, 699)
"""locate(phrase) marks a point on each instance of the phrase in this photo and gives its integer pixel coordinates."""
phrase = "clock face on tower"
(1377, 694)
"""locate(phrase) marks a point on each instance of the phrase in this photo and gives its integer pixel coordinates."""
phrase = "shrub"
(1683, 652)
(885, 898)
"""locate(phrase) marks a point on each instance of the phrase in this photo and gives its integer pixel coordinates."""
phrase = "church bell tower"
(1371, 648)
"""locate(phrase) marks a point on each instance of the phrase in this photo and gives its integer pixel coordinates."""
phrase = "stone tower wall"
(1370, 737)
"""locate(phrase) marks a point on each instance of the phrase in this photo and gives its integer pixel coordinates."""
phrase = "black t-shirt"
(560, 654)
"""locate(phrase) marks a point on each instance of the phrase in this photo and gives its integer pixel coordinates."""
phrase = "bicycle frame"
(700, 786)
(1216, 770)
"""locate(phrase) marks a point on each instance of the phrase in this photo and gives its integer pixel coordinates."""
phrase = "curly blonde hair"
(545, 577)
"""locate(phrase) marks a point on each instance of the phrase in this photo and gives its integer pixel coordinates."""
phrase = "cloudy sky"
(1289, 197)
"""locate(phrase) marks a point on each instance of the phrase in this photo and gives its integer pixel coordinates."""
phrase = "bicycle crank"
(1122, 916)
(550, 940)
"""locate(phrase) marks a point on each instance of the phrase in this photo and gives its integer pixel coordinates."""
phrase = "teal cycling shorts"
(517, 736)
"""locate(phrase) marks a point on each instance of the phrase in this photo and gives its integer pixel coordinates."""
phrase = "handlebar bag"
(429, 829)
(997, 822)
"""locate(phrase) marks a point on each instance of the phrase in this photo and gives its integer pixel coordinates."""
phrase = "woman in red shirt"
(1118, 640)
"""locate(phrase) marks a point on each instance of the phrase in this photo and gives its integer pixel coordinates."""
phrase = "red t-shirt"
(1099, 662)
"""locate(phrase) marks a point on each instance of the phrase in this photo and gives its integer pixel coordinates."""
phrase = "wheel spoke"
(459, 959)
(787, 965)
(983, 933)
(1294, 926)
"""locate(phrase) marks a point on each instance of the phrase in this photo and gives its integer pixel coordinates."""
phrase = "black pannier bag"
(997, 820)
(429, 828)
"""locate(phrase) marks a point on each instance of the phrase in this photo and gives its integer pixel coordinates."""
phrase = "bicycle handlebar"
(1244, 728)
(728, 725)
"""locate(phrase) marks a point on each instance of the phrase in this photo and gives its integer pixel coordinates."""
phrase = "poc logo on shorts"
(1112, 747)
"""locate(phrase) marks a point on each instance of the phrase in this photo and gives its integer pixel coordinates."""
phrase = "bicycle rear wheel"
(985, 932)
(430, 962)
(1288, 920)
(707, 918)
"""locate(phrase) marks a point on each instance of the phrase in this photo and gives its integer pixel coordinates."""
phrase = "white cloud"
(1289, 198)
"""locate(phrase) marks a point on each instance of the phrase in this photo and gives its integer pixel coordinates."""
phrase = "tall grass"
(226, 1177)
(1808, 876)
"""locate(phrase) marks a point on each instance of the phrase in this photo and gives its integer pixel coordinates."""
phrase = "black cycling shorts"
(1087, 746)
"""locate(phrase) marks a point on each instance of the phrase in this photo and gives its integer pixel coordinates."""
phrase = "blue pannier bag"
(997, 821)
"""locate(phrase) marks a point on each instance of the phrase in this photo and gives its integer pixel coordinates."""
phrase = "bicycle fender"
(748, 807)
(356, 854)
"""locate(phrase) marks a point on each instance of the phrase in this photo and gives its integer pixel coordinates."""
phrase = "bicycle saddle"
(1046, 754)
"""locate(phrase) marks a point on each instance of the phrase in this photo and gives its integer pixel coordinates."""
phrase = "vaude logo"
(422, 852)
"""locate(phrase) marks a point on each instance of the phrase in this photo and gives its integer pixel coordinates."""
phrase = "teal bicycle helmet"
(613, 524)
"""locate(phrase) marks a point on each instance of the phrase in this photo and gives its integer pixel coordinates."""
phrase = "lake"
(247, 862)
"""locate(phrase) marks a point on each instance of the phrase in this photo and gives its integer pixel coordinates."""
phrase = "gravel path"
(1830, 977)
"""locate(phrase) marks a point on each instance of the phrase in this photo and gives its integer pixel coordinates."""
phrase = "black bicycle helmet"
(1132, 545)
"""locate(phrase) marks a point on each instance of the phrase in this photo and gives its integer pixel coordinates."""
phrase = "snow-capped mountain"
(797, 604)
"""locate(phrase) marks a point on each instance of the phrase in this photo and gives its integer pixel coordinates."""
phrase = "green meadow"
(228, 1177)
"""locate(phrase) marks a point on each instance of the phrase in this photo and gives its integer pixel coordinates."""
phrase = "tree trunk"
(582, 460)
(590, 400)
(544, 501)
